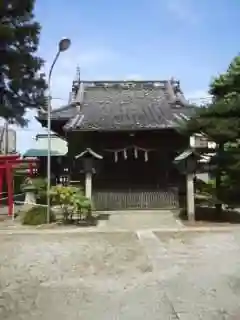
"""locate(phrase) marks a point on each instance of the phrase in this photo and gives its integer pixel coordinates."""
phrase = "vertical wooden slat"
(118, 200)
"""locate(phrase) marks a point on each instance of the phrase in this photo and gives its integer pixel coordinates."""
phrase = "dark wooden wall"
(129, 174)
(168, 139)
(57, 167)
(128, 183)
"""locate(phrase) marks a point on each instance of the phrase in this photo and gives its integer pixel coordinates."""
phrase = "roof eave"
(119, 129)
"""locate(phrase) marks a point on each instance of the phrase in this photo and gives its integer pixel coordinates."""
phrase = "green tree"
(227, 85)
(21, 84)
(220, 121)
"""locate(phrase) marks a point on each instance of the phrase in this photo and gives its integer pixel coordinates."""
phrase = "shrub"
(82, 206)
(72, 201)
(37, 216)
(62, 196)
(205, 187)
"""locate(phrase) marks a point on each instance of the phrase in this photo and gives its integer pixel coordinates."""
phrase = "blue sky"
(136, 39)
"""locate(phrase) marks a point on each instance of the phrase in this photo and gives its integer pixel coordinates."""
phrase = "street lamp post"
(63, 45)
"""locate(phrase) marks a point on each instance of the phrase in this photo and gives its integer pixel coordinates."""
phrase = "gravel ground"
(74, 276)
(120, 276)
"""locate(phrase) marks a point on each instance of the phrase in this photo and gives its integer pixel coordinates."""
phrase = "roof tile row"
(126, 106)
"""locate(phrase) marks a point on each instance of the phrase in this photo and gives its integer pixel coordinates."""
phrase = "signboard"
(199, 141)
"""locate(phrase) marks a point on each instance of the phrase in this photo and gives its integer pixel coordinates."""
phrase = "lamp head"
(64, 44)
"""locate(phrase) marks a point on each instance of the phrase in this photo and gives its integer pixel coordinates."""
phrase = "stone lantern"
(88, 157)
(187, 163)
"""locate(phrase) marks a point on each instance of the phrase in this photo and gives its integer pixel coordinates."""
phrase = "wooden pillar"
(190, 197)
(88, 185)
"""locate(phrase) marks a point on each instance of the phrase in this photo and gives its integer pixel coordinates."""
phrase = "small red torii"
(7, 163)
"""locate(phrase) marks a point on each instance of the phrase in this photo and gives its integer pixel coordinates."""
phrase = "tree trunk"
(218, 205)
(218, 180)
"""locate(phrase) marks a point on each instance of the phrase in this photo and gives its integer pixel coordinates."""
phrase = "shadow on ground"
(90, 222)
(209, 214)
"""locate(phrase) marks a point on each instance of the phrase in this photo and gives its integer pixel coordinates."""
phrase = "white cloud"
(183, 10)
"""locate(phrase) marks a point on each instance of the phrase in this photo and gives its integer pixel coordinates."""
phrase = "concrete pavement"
(120, 275)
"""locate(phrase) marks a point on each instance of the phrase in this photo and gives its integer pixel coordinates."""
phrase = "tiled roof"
(129, 106)
(62, 113)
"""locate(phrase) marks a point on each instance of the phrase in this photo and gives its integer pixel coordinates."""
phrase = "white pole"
(88, 185)
(49, 156)
(190, 197)
(13, 212)
(13, 209)
(62, 46)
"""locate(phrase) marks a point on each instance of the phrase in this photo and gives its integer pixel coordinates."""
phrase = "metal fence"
(138, 200)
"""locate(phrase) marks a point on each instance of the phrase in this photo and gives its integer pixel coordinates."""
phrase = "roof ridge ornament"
(75, 84)
(170, 91)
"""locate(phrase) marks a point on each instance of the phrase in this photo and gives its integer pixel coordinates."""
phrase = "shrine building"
(122, 138)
